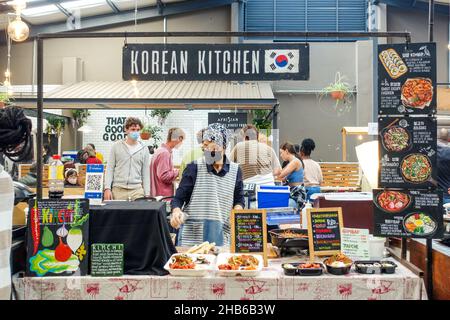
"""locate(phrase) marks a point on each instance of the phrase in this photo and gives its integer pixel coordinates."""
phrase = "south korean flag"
(281, 61)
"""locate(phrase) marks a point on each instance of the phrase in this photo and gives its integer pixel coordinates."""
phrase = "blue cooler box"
(273, 196)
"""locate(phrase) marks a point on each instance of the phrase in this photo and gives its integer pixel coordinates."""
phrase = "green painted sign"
(107, 259)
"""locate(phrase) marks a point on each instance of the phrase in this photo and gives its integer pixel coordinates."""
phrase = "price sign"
(324, 231)
(249, 232)
(107, 260)
(407, 78)
(355, 243)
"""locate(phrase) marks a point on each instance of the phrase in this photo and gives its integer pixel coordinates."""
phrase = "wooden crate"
(344, 175)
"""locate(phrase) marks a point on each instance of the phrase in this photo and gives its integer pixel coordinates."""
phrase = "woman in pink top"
(162, 172)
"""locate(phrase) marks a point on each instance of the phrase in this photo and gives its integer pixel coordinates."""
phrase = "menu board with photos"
(107, 259)
(249, 232)
(407, 78)
(408, 213)
(324, 231)
(57, 237)
(408, 152)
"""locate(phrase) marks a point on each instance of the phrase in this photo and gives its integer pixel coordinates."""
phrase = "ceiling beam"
(127, 17)
(63, 10)
(112, 6)
(439, 8)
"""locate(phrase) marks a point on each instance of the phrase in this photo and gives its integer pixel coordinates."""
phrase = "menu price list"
(407, 152)
(249, 233)
(326, 231)
(408, 213)
(406, 78)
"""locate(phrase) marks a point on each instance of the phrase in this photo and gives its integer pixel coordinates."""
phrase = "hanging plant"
(161, 114)
(339, 90)
(80, 116)
(5, 99)
(146, 132)
(261, 122)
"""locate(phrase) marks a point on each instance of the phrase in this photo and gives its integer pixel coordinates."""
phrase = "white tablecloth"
(270, 284)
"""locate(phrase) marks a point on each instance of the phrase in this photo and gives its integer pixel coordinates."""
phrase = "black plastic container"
(310, 271)
(338, 271)
(367, 267)
(388, 267)
(290, 271)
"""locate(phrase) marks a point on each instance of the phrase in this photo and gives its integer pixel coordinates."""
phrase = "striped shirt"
(212, 199)
(6, 212)
(255, 158)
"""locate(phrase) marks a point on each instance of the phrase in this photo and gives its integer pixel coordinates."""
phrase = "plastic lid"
(56, 157)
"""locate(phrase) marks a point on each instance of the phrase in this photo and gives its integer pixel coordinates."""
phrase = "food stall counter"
(270, 284)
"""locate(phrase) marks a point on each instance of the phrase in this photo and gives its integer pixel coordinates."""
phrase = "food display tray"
(388, 266)
(365, 268)
(302, 272)
(200, 270)
(223, 258)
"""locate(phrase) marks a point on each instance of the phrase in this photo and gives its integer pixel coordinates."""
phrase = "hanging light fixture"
(17, 29)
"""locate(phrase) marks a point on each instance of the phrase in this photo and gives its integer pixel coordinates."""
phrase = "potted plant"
(339, 90)
(155, 133)
(55, 125)
(146, 132)
(261, 122)
(80, 116)
(161, 114)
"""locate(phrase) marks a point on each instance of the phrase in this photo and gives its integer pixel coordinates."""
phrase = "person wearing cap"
(209, 189)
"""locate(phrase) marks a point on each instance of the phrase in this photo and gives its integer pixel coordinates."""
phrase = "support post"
(40, 107)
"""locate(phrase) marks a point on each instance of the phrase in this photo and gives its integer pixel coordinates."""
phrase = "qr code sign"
(94, 182)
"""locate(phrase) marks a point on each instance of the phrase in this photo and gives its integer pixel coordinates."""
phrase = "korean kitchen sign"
(218, 62)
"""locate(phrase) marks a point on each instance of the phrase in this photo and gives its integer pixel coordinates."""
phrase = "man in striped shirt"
(210, 188)
(254, 157)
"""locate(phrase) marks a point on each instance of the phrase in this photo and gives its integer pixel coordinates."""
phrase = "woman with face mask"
(209, 189)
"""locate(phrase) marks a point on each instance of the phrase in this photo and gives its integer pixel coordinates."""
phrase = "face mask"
(212, 156)
(72, 180)
(134, 135)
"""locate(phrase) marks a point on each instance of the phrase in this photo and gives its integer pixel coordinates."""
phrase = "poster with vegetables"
(408, 213)
(407, 78)
(58, 237)
(408, 151)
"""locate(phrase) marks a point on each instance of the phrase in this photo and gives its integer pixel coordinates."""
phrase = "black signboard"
(107, 260)
(249, 232)
(407, 78)
(231, 120)
(407, 152)
(222, 62)
(324, 231)
(57, 240)
(408, 213)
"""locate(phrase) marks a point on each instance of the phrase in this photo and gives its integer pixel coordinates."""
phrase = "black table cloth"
(142, 228)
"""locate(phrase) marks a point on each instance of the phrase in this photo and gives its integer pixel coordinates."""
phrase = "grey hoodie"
(129, 171)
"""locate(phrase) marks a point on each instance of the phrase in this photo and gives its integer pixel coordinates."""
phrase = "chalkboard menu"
(231, 120)
(408, 213)
(249, 232)
(57, 237)
(107, 259)
(324, 231)
(407, 78)
(407, 152)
